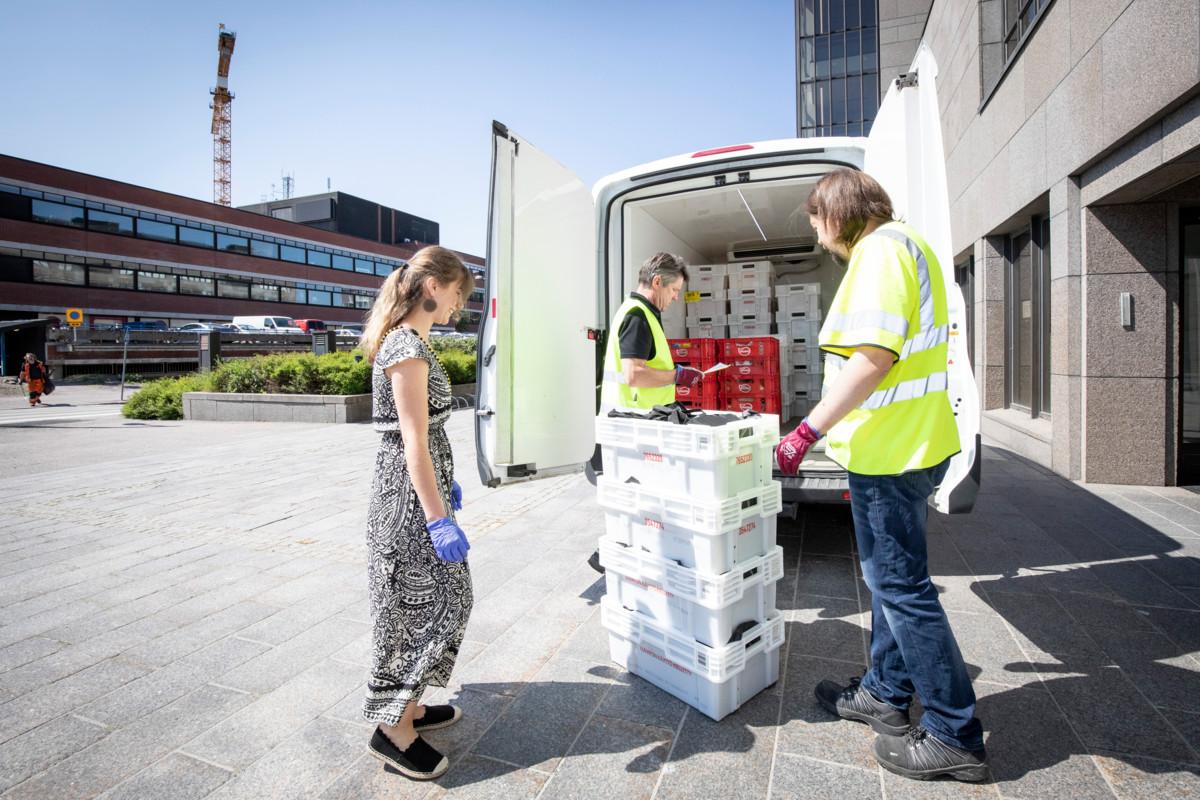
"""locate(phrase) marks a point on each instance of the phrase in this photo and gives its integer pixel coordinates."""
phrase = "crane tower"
(221, 105)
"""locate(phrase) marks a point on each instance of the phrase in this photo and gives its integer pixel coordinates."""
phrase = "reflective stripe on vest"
(918, 255)
(615, 392)
(906, 390)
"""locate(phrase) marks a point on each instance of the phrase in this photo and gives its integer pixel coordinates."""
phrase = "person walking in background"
(420, 584)
(890, 425)
(33, 374)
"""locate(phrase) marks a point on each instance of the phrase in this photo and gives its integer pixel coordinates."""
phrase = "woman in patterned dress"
(420, 585)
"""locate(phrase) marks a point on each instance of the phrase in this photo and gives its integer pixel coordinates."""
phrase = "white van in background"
(269, 324)
(561, 259)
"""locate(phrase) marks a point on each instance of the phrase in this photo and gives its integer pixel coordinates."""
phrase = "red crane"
(221, 121)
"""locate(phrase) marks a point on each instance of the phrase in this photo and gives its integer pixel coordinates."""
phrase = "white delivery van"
(269, 324)
(561, 259)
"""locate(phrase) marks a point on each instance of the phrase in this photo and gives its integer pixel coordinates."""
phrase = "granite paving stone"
(52, 700)
(611, 758)
(801, 778)
(176, 776)
(32, 752)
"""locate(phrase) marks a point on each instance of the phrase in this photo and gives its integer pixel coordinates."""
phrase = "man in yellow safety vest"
(890, 425)
(639, 372)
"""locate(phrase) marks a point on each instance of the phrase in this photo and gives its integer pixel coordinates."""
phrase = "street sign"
(74, 317)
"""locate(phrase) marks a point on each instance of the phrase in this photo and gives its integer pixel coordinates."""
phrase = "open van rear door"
(904, 153)
(536, 359)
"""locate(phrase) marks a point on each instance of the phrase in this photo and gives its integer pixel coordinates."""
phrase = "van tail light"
(719, 150)
(846, 496)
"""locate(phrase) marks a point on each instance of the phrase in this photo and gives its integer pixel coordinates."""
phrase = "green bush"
(283, 373)
(460, 367)
(163, 399)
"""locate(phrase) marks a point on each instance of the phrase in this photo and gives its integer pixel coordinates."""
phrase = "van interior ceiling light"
(750, 211)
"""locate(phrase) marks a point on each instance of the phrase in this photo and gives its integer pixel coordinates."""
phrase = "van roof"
(729, 152)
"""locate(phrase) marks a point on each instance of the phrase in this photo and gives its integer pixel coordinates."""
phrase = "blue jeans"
(913, 650)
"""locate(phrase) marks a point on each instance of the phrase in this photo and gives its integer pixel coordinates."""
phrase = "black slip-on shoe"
(594, 562)
(419, 762)
(921, 755)
(437, 717)
(856, 704)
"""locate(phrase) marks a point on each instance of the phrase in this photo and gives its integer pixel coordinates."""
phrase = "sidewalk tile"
(176, 776)
(611, 758)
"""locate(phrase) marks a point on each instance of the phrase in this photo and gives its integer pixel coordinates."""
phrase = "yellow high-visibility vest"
(893, 297)
(615, 392)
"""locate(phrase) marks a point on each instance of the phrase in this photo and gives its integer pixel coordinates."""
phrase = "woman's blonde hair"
(404, 289)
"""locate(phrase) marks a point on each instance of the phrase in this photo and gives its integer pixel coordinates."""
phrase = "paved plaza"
(183, 614)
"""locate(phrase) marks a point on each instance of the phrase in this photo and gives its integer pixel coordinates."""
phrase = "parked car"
(146, 325)
(311, 325)
(348, 332)
(206, 327)
(353, 328)
(269, 324)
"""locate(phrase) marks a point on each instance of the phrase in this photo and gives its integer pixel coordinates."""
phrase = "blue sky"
(392, 101)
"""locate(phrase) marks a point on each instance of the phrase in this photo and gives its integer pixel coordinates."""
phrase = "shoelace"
(917, 736)
(852, 689)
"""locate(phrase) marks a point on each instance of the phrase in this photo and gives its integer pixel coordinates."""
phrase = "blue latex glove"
(455, 496)
(448, 539)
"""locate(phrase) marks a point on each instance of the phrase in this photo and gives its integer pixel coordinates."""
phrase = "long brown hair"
(848, 200)
(404, 289)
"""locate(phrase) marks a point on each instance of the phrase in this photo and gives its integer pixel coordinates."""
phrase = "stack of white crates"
(707, 302)
(750, 303)
(799, 320)
(690, 556)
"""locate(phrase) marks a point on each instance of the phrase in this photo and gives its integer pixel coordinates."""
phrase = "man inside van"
(639, 372)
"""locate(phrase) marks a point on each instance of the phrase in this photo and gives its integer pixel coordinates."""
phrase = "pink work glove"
(792, 449)
(687, 376)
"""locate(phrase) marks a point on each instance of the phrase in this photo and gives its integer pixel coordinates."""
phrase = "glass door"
(1189, 446)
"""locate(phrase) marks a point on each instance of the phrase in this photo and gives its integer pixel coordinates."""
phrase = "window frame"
(1011, 58)
(1041, 401)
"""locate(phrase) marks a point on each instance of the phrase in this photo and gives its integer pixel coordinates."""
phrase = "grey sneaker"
(921, 755)
(856, 704)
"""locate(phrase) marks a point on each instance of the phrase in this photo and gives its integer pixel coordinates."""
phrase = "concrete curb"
(227, 407)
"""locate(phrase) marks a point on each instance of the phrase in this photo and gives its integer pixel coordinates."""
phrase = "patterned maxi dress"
(419, 603)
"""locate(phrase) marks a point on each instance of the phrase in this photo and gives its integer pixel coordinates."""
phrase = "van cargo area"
(755, 270)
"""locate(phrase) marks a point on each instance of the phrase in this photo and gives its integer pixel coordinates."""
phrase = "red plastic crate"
(746, 370)
(694, 351)
(749, 387)
(758, 348)
(706, 395)
(768, 404)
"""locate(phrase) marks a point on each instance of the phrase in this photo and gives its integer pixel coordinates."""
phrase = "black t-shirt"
(635, 336)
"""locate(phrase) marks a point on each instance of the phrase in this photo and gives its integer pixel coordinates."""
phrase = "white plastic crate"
(807, 354)
(758, 308)
(802, 332)
(714, 680)
(714, 284)
(700, 532)
(740, 329)
(750, 285)
(707, 319)
(707, 270)
(697, 330)
(706, 607)
(785, 353)
(740, 269)
(783, 290)
(799, 307)
(712, 461)
(706, 308)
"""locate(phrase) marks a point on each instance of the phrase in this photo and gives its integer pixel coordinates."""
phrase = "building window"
(319, 298)
(363, 300)
(195, 237)
(234, 289)
(111, 278)
(104, 222)
(233, 244)
(382, 270)
(1020, 16)
(264, 249)
(318, 259)
(294, 254)
(57, 214)
(157, 282)
(290, 294)
(343, 262)
(1027, 311)
(59, 272)
(190, 284)
(964, 276)
(263, 291)
(362, 265)
(838, 67)
(159, 231)
(1006, 26)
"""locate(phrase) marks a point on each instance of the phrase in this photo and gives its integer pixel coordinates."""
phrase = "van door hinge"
(485, 412)
(487, 358)
(906, 81)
